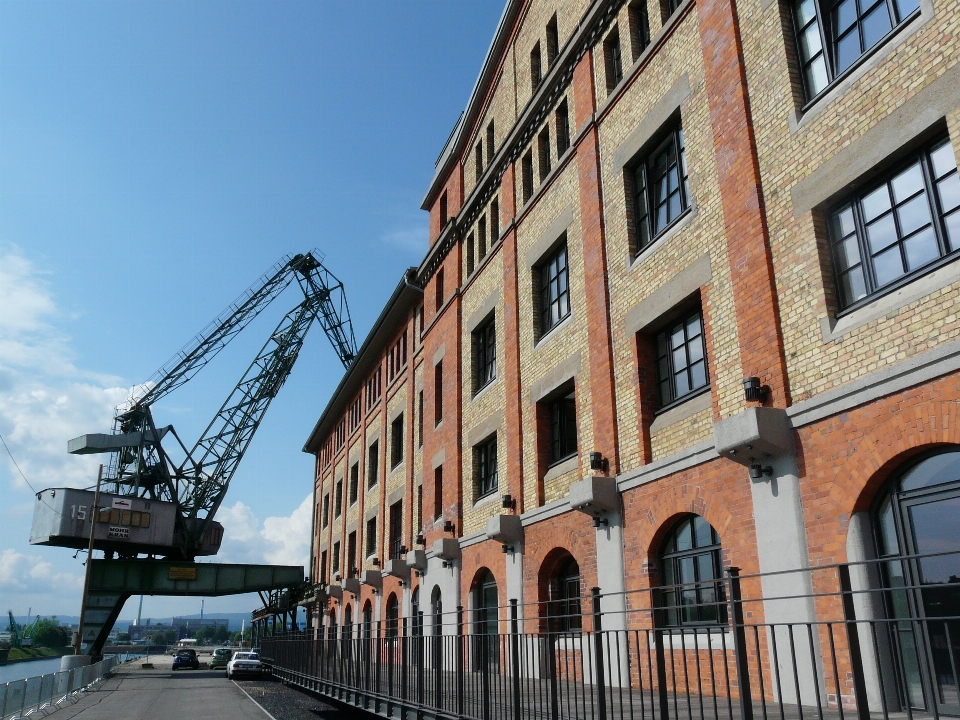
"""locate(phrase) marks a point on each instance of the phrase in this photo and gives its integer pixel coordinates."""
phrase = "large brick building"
(644, 206)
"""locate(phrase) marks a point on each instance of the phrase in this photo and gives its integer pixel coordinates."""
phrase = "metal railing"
(813, 644)
(43, 693)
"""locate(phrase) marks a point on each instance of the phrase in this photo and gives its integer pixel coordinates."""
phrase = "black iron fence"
(839, 643)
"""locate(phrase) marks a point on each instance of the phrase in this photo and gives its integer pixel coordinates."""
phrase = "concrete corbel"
(505, 529)
(446, 549)
(352, 585)
(397, 568)
(595, 496)
(335, 591)
(755, 435)
(373, 578)
(417, 559)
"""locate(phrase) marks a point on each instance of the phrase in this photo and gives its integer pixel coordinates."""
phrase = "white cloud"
(33, 582)
(44, 398)
(279, 541)
(411, 239)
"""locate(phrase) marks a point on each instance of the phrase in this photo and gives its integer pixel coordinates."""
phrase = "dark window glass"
(323, 566)
(393, 617)
(352, 554)
(614, 59)
(565, 592)
(553, 40)
(536, 71)
(326, 510)
(485, 468)
(396, 530)
(338, 499)
(478, 161)
(490, 142)
(485, 621)
(371, 537)
(485, 342)
(482, 237)
(661, 188)
(438, 393)
(396, 442)
(554, 289)
(691, 585)
(563, 128)
(354, 482)
(438, 492)
(543, 148)
(336, 557)
(846, 29)
(494, 222)
(639, 28)
(420, 419)
(681, 359)
(898, 227)
(443, 209)
(670, 7)
(527, 176)
(441, 296)
(470, 254)
(563, 427)
(373, 461)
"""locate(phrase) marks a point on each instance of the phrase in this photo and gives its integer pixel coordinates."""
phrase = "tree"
(48, 632)
(123, 637)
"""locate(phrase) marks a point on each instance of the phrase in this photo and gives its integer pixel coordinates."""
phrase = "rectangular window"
(563, 427)
(336, 558)
(485, 354)
(661, 189)
(554, 289)
(494, 222)
(338, 499)
(420, 419)
(478, 161)
(847, 30)
(490, 142)
(438, 393)
(441, 296)
(443, 210)
(374, 389)
(373, 458)
(370, 537)
(340, 434)
(526, 170)
(396, 442)
(485, 468)
(438, 492)
(536, 70)
(681, 359)
(669, 7)
(396, 530)
(326, 510)
(563, 128)
(614, 61)
(639, 27)
(352, 554)
(482, 237)
(543, 149)
(419, 508)
(323, 566)
(553, 40)
(356, 413)
(354, 482)
(899, 226)
(470, 251)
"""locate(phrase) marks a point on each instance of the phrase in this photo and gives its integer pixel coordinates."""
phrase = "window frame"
(680, 320)
(354, 491)
(370, 537)
(486, 480)
(923, 157)
(485, 353)
(373, 464)
(396, 442)
(645, 229)
(613, 56)
(561, 420)
(547, 279)
(675, 558)
(566, 611)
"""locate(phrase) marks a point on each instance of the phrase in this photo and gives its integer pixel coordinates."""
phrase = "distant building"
(189, 626)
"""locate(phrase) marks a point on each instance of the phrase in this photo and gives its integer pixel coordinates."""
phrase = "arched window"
(565, 597)
(918, 518)
(485, 618)
(367, 620)
(416, 617)
(691, 576)
(436, 610)
(348, 622)
(393, 616)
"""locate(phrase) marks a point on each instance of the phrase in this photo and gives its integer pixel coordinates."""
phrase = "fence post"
(663, 697)
(404, 652)
(853, 640)
(598, 650)
(437, 641)
(515, 656)
(459, 660)
(483, 640)
(740, 643)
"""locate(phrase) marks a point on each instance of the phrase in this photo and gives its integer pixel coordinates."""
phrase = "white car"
(244, 663)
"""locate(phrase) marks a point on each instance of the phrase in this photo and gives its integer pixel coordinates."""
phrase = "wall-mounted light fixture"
(447, 563)
(753, 391)
(508, 502)
(376, 562)
(448, 526)
(757, 471)
(598, 521)
(598, 461)
(420, 540)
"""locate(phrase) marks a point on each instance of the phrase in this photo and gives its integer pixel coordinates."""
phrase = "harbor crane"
(154, 505)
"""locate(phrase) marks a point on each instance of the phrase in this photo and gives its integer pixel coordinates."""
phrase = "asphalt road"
(138, 693)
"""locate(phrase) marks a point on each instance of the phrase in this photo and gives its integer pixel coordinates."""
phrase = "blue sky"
(155, 159)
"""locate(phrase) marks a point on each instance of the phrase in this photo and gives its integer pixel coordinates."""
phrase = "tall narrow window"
(396, 442)
(352, 554)
(438, 393)
(565, 593)
(420, 419)
(482, 237)
(553, 40)
(494, 221)
(478, 161)
(396, 530)
(323, 566)
(443, 209)
(354, 482)
(536, 70)
(438, 492)
(639, 27)
(563, 427)
(681, 359)
(336, 558)
(419, 527)
(661, 188)
(485, 354)
(847, 30)
(899, 226)
(543, 149)
(470, 254)
(338, 499)
(490, 142)
(526, 169)
(669, 7)
(692, 576)
(441, 296)
(554, 289)
(373, 462)
(370, 537)
(326, 510)
(614, 59)
(562, 117)
(485, 468)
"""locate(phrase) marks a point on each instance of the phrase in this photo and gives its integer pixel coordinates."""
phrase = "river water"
(32, 668)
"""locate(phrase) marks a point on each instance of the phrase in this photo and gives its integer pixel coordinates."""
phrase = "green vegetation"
(123, 638)
(212, 635)
(37, 653)
(48, 632)
(163, 637)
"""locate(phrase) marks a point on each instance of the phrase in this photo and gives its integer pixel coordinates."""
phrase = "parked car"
(221, 656)
(186, 658)
(244, 663)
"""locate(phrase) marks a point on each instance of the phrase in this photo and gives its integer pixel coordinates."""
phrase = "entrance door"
(485, 623)
(919, 522)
